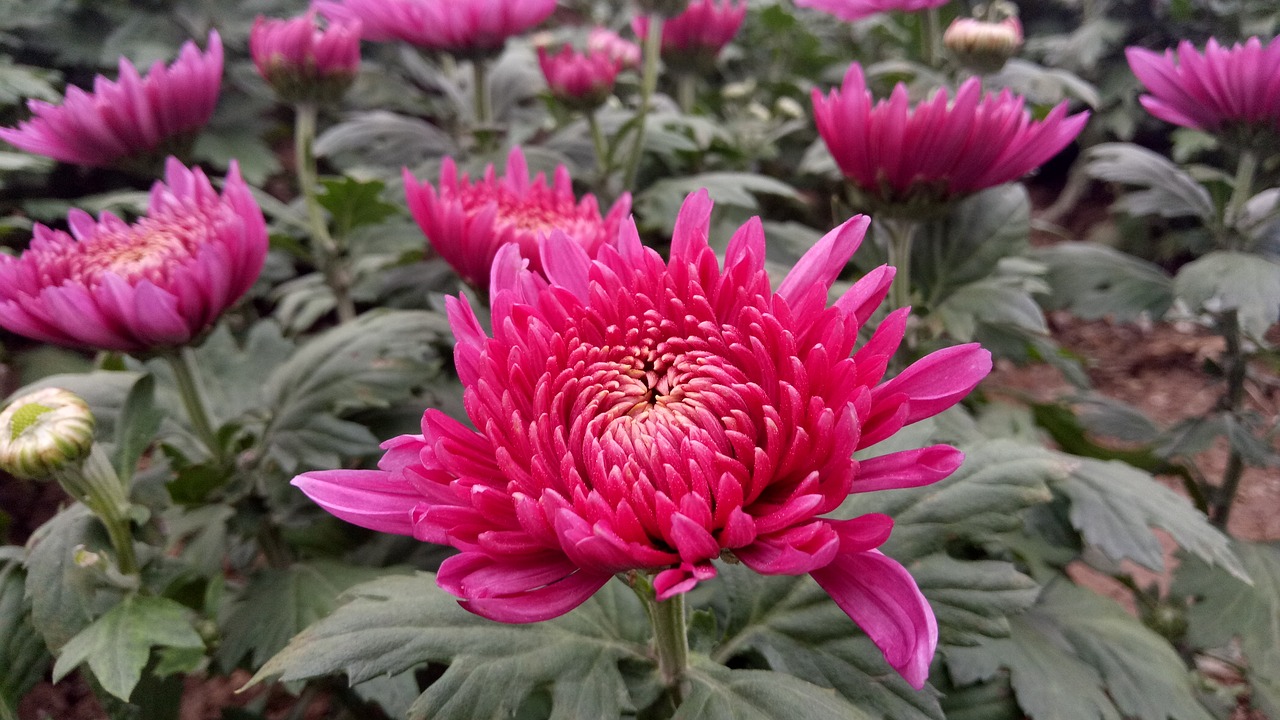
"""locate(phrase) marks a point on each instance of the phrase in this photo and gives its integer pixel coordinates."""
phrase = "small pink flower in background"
(981, 45)
(701, 31)
(635, 414)
(463, 27)
(941, 148)
(583, 80)
(157, 283)
(128, 117)
(468, 221)
(303, 62)
(850, 10)
(1220, 89)
(622, 51)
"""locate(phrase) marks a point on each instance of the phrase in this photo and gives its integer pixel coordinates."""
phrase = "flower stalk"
(96, 484)
(652, 52)
(182, 362)
(901, 236)
(671, 641)
(325, 249)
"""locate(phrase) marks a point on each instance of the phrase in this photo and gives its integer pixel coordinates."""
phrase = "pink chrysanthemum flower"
(583, 80)
(940, 149)
(462, 27)
(157, 283)
(850, 10)
(1236, 88)
(467, 222)
(632, 414)
(303, 62)
(129, 117)
(622, 51)
(700, 32)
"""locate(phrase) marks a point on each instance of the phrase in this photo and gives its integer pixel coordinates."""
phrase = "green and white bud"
(43, 432)
(984, 46)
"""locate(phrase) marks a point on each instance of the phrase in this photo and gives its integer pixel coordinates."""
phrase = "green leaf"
(117, 645)
(1226, 608)
(981, 230)
(280, 603)
(231, 372)
(353, 203)
(139, 422)
(658, 204)
(1114, 506)
(1167, 190)
(385, 138)
(1225, 280)
(973, 600)
(395, 623)
(718, 693)
(23, 657)
(60, 594)
(1095, 281)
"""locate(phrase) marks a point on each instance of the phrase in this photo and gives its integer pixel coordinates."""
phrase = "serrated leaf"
(1114, 506)
(385, 138)
(353, 203)
(1167, 191)
(972, 600)
(1224, 608)
(228, 367)
(59, 593)
(23, 657)
(718, 693)
(1227, 280)
(980, 231)
(117, 645)
(280, 603)
(1095, 281)
(395, 623)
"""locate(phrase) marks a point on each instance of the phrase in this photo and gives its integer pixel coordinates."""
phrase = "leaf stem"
(184, 374)
(648, 84)
(325, 249)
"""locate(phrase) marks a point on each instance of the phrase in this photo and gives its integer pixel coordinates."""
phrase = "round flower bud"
(983, 46)
(43, 432)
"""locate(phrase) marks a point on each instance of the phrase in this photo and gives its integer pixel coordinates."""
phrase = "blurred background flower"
(461, 27)
(303, 62)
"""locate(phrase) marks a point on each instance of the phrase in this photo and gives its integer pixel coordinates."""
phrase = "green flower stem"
(1242, 189)
(671, 638)
(604, 155)
(931, 37)
(96, 484)
(901, 234)
(327, 254)
(184, 373)
(485, 135)
(648, 84)
(687, 91)
(1236, 368)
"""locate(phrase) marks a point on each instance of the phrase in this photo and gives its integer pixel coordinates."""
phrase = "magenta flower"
(701, 31)
(129, 117)
(622, 51)
(850, 10)
(157, 283)
(1225, 88)
(467, 222)
(941, 148)
(577, 79)
(303, 62)
(462, 27)
(632, 414)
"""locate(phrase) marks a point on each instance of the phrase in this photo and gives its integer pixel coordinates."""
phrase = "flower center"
(26, 416)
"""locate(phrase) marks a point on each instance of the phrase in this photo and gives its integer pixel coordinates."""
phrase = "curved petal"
(369, 498)
(938, 380)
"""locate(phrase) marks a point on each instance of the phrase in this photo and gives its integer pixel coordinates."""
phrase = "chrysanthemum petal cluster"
(621, 50)
(302, 61)
(1213, 90)
(633, 414)
(458, 26)
(850, 10)
(702, 29)
(941, 148)
(129, 116)
(467, 221)
(579, 79)
(157, 283)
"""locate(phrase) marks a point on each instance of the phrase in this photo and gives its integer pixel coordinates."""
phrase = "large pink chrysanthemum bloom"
(579, 79)
(632, 414)
(158, 283)
(1222, 89)
(701, 31)
(468, 221)
(462, 27)
(130, 116)
(303, 62)
(850, 10)
(939, 149)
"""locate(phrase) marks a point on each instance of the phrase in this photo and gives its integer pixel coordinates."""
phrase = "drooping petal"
(368, 498)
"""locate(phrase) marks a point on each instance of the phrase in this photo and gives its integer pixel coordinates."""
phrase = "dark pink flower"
(304, 62)
(468, 221)
(635, 414)
(128, 117)
(622, 51)
(850, 10)
(579, 79)
(941, 148)
(1220, 89)
(701, 31)
(157, 283)
(464, 27)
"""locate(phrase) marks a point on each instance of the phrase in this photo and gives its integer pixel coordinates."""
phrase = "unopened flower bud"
(983, 46)
(43, 432)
